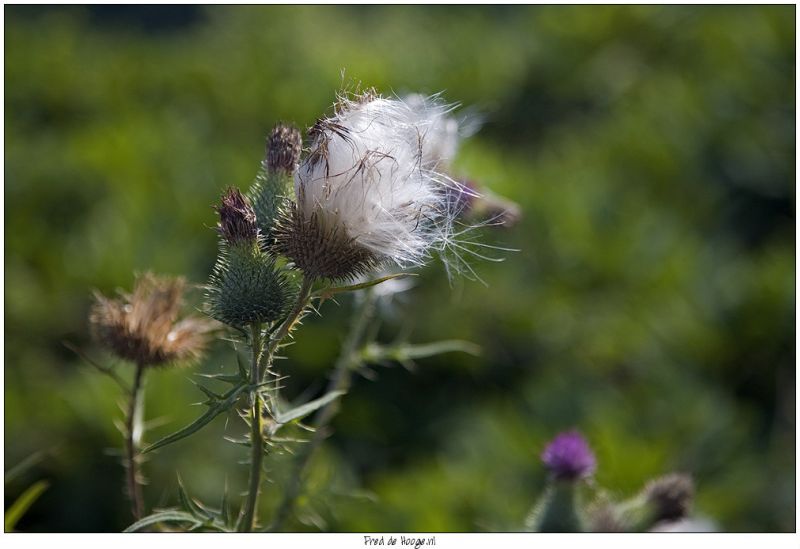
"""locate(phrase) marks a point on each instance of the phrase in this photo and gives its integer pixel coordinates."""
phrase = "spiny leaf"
(239, 518)
(242, 366)
(239, 441)
(233, 379)
(23, 503)
(163, 516)
(213, 411)
(304, 409)
(212, 396)
(109, 371)
(328, 293)
(24, 465)
(224, 510)
(439, 347)
(404, 352)
(188, 503)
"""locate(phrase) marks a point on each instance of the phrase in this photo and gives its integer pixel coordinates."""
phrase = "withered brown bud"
(237, 220)
(670, 496)
(283, 149)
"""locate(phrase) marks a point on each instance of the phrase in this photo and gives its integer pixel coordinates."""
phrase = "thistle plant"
(142, 328)
(367, 200)
(662, 504)
(569, 460)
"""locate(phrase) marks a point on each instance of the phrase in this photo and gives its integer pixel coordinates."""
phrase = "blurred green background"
(651, 304)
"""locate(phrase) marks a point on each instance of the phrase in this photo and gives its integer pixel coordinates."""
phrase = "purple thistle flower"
(569, 457)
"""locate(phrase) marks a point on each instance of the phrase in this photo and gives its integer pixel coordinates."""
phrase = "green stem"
(265, 353)
(340, 381)
(558, 509)
(286, 327)
(282, 332)
(256, 438)
(132, 438)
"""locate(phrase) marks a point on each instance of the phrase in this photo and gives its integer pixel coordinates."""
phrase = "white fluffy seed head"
(371, 173)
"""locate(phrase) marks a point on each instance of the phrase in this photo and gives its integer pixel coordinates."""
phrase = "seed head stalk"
(340, 381)
(133, 433)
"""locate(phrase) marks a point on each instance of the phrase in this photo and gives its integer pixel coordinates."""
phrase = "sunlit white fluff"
(372, 171)
(442, 134)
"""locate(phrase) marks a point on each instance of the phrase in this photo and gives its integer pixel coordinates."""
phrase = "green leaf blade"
(23, 503)
(327, 293)
(407, 351)
(304, 409)
(164, 516)
(213, 411)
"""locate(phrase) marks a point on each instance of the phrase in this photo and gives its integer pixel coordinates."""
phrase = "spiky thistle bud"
(663, 500)
(245, 287)
(368, 192)
(143, 326)
(670, 497)
(274, 182)
(283, 149)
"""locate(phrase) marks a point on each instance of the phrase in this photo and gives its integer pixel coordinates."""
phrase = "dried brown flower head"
(143, 327)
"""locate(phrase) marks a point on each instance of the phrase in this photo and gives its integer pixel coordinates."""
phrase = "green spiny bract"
(320, 252)
(274, 183)
(246, 287)
(268, 194)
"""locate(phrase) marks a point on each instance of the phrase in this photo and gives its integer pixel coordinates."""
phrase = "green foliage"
(217, 404)
(193, 521)
(405, 352)
(20, 468)
(301, 411)
(192, 516)
(23, 503)
(652, 304)
(329, 291)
